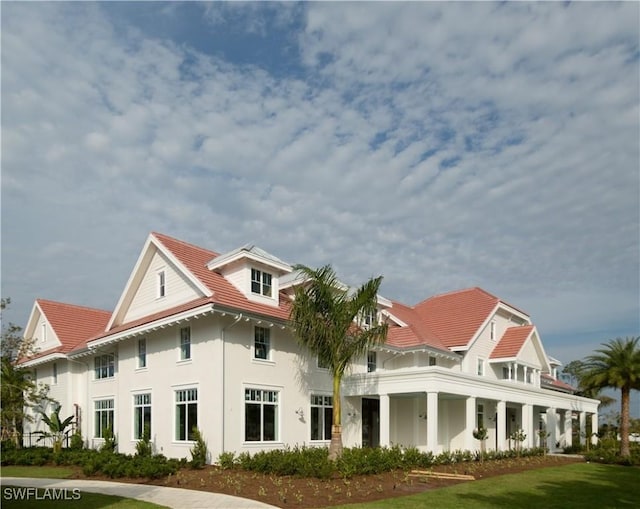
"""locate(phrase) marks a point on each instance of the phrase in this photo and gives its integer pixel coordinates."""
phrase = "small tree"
(57, 428)
(199, 451)
(481, 434)
(110, 443)
(543, 434)
(518, 437)
(144, 447)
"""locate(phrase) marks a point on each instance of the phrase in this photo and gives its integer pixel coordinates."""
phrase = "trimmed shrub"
(199, 451)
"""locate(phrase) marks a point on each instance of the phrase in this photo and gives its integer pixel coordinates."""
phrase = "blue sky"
(443, 145)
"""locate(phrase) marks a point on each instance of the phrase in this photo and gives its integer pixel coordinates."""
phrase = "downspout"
(224, 376)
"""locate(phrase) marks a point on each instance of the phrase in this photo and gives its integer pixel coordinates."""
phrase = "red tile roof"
(73, 325)
(555, 384)
(511, 342)
(455, 317)
(417, 332)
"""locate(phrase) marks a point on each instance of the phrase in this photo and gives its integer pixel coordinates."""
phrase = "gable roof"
(252, 252)
(549, 382)
(512, 341)
(416, 333)
(457, 316)
(73, 325)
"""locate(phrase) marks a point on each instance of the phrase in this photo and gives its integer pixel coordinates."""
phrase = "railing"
(36, 439)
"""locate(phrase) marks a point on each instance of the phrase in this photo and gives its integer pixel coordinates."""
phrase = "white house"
(202, 339)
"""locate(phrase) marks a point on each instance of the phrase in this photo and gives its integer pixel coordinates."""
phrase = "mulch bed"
(304, 493)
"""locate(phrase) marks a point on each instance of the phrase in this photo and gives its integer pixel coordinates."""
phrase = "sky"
(442, 145)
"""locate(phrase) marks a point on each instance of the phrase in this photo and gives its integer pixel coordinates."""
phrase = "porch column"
(501, 424)
(583, 428)
(594, 428)
(470, 424)
(524, 376)
(515, 372)
(551, 428)
(527, 425)
(432, 422)
(568, 428)
(384, 420)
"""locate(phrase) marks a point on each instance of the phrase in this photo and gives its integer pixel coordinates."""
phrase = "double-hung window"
(260, 415)
(162, 286)
(185, 343)
(260, 282)
(141, 414)
(262, 343)
(186, 414)
(321, 417)
(480, 368)
(372, 362)
(103, 417)
(104, 366)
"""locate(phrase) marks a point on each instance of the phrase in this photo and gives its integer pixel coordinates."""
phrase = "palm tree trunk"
(624, 422)
(335, 447)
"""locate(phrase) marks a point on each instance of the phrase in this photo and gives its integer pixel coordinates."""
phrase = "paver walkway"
(175, 498)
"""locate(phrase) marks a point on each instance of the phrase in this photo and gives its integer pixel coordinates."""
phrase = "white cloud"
(442, 144)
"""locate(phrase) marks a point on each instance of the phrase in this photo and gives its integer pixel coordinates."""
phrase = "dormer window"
(260, 282)
(370, 319)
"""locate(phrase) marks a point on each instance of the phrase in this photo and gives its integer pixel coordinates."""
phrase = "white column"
(551, 429)
(470, 424)
(432, 422)
(524, 377)
(501, 424)
(568, 428)
(384, 420)
(583, 428)
(527, 425)
(594, 428)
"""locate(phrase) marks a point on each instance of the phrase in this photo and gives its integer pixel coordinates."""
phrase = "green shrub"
(227, 460)
(76, 442)
(144, 447)
(110, 444)
(199, 451)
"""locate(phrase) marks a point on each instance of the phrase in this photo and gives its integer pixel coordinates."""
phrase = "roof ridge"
(78, 306)
(454, 292)
(162, 236)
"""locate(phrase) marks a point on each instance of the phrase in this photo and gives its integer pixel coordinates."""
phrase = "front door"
(370, 422)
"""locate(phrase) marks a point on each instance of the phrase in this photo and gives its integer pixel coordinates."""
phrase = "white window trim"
(161, 283)
(492, 330)
(481, 366)
(262, 283)
(190, 358)
(115, 368)
(269, 360)
(146, 356)
(323, 368)
(324, 394)
(93, 415)
(280, 390)
(135, 393)
(175, 389)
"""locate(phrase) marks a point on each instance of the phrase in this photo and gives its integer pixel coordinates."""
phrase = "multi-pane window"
(372, 362)
(432, 361)
(55, 373)
(186, 413)
(370, 319)
(185, 343)
(260, 282)
(161, 284)
(480, 416)
(103, 417)
(262, 343)
(321, 417)
(142, 353)
(104, 366)
(141, 414)
(260, 415)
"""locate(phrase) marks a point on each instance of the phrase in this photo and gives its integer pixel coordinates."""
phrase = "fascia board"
(43, 359)
(36, 311)
(216, 263)
(394, 318)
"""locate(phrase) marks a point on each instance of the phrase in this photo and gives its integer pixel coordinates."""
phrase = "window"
(185, 343)
(322, 364)
(44, 332)
(142, 353)
(262, 343)
(480, 416)
(370, 319)
(104, 417)
(161, 284)
(321, 417)
(492, 333)
(55, 373)
(260, 282)
(260, 415)
(372, 362)
(104, 366)
(506, 375)
(481, 367)
(432, 361)
(186, 413)
(141, 414)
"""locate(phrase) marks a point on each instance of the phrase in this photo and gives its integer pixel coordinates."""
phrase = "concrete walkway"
(169, 497)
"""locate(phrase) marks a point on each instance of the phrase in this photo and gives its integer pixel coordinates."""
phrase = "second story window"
(260, 282)
(372, 362)
(480, 369)
(55, 373)
(262, 343)
(104, 366)
(142, 353)
(185, 343)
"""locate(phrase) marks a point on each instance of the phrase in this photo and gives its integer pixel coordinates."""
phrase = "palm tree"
(329, 320)
(616, 365)
(57, 428)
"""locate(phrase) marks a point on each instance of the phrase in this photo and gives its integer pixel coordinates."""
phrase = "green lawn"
(40, 472)
(580, 485)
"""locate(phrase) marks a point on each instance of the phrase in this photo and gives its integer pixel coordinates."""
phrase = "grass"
(39, 472)
(83, 500)
(571, 486)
